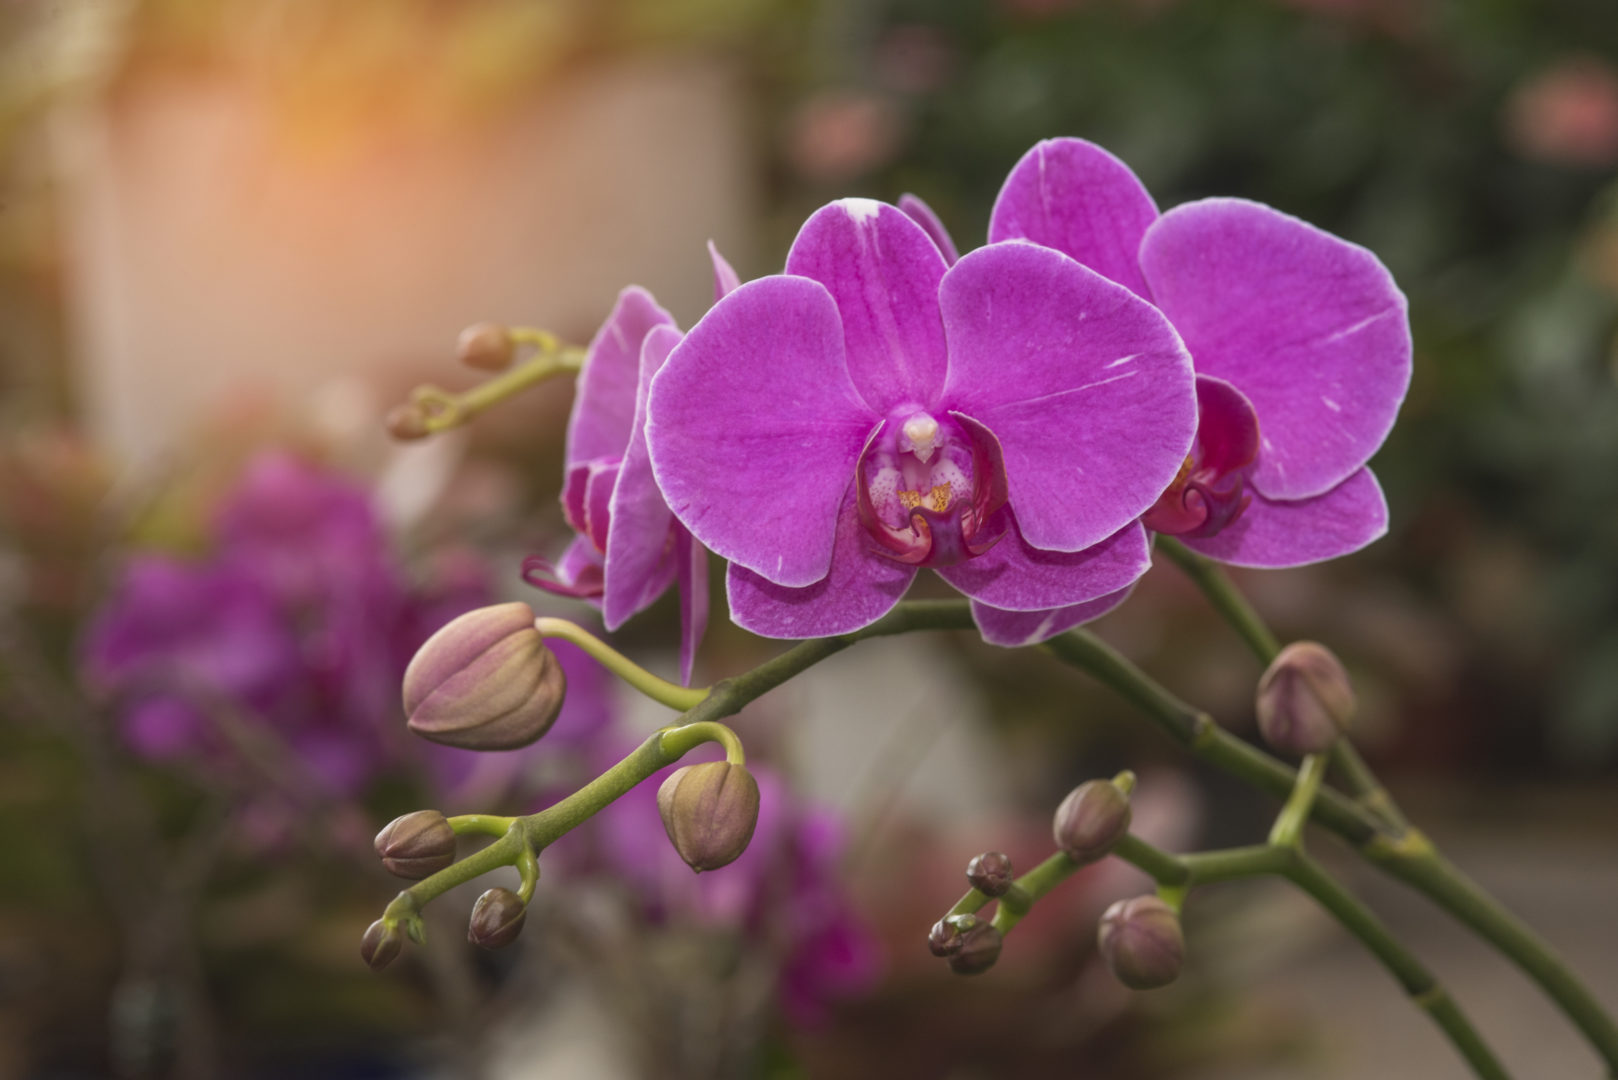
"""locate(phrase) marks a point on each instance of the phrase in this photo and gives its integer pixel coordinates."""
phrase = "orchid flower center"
(929, 488)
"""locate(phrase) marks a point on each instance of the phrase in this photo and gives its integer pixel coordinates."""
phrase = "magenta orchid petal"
(1310, 327)
(600, 480)
(639, 547)
(604, 410)
(923, 215)
(1015, 576)
(1273, 533)
(882, 270)
(1014, 629)
(577, 574)
(575, 485)
(1227, 426)
(1073, 196)
(860, 588)
(691, 567)
(1086, 386)
(724, 277)
(754, 428)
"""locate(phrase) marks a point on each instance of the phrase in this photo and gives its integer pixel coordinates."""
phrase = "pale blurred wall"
(210, 257)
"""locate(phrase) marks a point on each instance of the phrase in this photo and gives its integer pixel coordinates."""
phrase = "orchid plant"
(1032, 421)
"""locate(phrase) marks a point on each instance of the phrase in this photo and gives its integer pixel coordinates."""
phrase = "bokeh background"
(233, 232)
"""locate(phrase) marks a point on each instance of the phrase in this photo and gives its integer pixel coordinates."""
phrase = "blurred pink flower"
(1567, 114)
(839, 135)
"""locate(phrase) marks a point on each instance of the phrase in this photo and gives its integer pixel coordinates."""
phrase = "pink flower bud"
(486, 346)
(407, 423)
(485, 682)
(1091, 820)
(416, 845)
(990, 873)
(709, 811)
(1305, 700)
(380, 945)
(1142, 942)
(497, 919)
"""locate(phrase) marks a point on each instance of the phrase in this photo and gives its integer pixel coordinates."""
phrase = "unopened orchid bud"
(1305, 701)
(486, 346)
(416, 845)
(709, 811)
(380, 945)
(990, 873)
(945, 938)
(979, 949)
(1142, 942)
(407, 423)
(497, 919)
(486, 681)
(1093, 817)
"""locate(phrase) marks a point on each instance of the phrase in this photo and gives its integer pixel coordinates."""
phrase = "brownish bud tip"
(709, 811)
(416, 845)
(497, 919)
(979, 949)
(485, 346)
(1142, 942)
(380, 945)
(990, 873)
(1093, 817)
(485, 682)
(945, 938)
(407, 423)
(1305, 700)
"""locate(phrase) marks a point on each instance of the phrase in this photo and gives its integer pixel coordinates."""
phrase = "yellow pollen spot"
(941, 494)
(910, 499)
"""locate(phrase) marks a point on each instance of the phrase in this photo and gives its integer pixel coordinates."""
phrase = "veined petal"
(923, 215)
(639, 564)
(1310, 327)
(604, 402)
(861, 587)
(691, 566)
(724, 277)
(1015, 576)
(1272, 533)
(883, 271)
(754, 427)
(1014, 629)
(1086, 386)
(1073, 196)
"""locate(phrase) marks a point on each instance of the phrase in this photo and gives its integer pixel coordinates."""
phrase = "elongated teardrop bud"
(1142, 942)
(709, 811)
(1305, 700)
(416, 845)
(486, 681)
(380, 945)
(1091, 820)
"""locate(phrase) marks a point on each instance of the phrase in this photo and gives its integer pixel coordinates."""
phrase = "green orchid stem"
(662, 691)
(480, 824)
(1373, 823)
(442, 409)
(682, 738)
(1183, 872)
(1288, 829)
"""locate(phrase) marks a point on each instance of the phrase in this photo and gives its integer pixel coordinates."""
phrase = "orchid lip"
(930, 488)
(541, 573)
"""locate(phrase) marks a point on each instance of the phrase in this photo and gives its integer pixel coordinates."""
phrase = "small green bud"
(1305, 700)
(485, 346)
(1093, 817)
(709, 811)
(485, 681)
(416, 845)
(380, 945)
(990, 873)
(497, 919)
(407, 423)
(1142, 942)
(979, 948)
